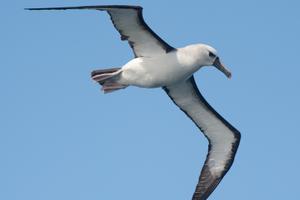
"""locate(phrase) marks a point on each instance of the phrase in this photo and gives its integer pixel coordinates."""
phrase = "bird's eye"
(212, 55)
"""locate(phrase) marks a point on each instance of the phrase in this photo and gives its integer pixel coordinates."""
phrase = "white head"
(207, 56)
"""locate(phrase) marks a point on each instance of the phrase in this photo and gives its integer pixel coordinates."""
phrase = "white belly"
(160, 71)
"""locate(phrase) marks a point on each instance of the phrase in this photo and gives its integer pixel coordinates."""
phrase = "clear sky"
(61, 138)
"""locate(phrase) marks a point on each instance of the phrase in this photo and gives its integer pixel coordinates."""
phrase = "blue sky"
(61, 138)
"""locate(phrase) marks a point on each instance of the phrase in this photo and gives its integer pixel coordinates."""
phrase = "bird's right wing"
(223, 137)
(129, 21)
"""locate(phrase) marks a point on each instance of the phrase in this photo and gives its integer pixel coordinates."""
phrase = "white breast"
(159, 71)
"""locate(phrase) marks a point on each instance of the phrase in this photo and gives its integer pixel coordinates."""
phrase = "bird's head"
(209, 57)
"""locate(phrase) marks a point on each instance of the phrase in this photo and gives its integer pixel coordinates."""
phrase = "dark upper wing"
(129, 21)
(223, 138)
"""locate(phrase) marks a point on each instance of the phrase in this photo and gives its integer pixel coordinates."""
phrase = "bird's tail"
(108, 79)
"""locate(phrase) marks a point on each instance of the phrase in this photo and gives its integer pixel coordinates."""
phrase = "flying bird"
(157, 64)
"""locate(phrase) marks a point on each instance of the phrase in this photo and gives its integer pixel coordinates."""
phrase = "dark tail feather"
(104, 71)
(108, 79)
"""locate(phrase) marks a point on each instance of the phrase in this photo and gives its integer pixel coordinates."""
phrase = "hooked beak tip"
(222, 68)
(229, 75)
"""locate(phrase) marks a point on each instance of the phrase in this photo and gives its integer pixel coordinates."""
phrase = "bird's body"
(163, 70)
(157, 64)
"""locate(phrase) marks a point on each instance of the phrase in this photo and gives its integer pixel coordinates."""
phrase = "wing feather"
(223, 137)
(129, 22)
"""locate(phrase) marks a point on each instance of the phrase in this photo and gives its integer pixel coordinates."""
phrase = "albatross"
(157, 64)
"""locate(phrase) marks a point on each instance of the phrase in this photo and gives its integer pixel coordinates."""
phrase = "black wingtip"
(100, 7)
(34, 8)
(38, 8)
(52, 8)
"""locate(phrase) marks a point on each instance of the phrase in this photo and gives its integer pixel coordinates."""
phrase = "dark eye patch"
(211, 54)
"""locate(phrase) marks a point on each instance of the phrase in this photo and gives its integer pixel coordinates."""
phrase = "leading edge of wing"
(87, 7)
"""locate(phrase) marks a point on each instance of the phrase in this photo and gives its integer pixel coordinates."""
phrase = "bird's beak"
(221, 67)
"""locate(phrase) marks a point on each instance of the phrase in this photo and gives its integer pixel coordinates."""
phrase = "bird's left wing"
(129, 21)
(223, 138)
